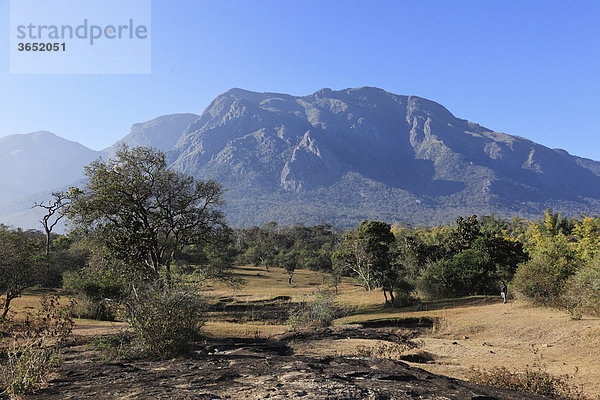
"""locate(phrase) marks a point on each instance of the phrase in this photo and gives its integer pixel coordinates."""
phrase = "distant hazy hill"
(39, 161)
(332, 156)
(161, 133)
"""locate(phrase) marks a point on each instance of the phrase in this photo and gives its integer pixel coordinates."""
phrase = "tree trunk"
(47, 243)
(7, 305)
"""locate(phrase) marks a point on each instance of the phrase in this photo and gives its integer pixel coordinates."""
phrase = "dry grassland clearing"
(451, 336)
(474, 332)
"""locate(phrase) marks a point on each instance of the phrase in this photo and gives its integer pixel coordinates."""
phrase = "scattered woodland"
(144, 242)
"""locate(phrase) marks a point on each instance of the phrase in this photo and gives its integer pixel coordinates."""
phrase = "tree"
(19, 264)
(542, 279)
(53, 215)
(366, 252)
(587, 232)
(145, 213)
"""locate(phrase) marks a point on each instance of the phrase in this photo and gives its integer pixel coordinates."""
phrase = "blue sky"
(528, 68)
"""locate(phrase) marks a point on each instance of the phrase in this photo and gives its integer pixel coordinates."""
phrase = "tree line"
(137, 226)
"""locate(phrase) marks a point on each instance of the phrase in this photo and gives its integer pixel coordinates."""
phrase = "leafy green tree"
(467, 273)
(366, 253)
(145, 213)
(465, 233)
(20, 264)
(542, 279)
(289, 262)
(587, 232)
(504, 254)
(476, 256)
(582, 291)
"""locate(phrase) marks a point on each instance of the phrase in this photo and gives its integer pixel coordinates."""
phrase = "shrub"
(531, 380)
(165, 319)
(99, 289)
(467, 273)
(114, 347)
(36, 347)
(542, 279)
(582, 291)
(318, 309)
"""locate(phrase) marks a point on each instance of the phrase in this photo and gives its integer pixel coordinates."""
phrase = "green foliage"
(100, 284)
(145, 213)
(582, 292)
(587, 232)
(114, 347)
(318, 309)
(20, 264)
(99, 291)
(365, 252)
(467, 273)
(542, 279)
(273, 246)
(468, 258)
(165, 319)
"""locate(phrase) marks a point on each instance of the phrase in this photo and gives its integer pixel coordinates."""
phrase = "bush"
(542, 279)
(467, 273)
(36, 347)
(99, 289)
(532, 380)
(165, 319)
(582, 291)
(318, 309)
(113, 347)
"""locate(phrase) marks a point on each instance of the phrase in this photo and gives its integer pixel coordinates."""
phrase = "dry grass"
(472, 332)
(477, 332)
(221, 329)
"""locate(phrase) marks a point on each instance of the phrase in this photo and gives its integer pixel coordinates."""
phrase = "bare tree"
(54, 213)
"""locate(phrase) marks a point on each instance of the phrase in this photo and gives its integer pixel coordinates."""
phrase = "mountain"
(332, 156)
(39, 161)
(161, 133)
(34, 165)
(341, 156)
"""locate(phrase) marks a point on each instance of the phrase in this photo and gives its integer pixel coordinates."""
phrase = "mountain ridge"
(340, 156)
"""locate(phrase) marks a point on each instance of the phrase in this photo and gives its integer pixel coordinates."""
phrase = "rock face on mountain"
(161, 133)
(332, 156)
(341, 156)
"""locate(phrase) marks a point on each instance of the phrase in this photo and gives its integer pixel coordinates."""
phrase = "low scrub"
(531, 380)
(387, 350)
(582, 292)
(318, 309)
(113, 347)
(99, 291)
(36, 347)
(165, 320)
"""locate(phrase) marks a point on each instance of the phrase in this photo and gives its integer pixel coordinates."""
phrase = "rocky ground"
(259, 369)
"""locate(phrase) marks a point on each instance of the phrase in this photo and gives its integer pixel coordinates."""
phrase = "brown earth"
(261, 369)
(353, 358)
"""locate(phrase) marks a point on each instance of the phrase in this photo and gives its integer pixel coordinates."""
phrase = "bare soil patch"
(256, 369)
